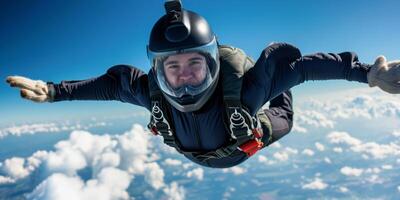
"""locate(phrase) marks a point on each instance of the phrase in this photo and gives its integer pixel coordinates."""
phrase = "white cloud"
(398, 188)
(372, 170)
(316, 184)
(265, 160)
(30, 129)
(276, 145)
(342, 137)
(349, 171)
(337, 149)
(6, 180)
(236, 170)
(396, 133)
(297, 128)
(15, 168)
(172, 162)
(327, 160)
(343, 189)
(387, 167)
(374, 179)
(284, 154)
(311, 118)
(281, 156)
(110, 184)
(197, 173)
(378, 151)
(319, 146)
(114, 161)
(154, 175)
(358, 105)
(174, 192)
(187, 165)
(308, 152)
(58, 187)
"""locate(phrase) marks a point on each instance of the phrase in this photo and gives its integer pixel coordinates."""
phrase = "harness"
(245, 130)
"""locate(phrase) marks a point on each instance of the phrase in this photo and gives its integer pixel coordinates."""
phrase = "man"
(206, 99)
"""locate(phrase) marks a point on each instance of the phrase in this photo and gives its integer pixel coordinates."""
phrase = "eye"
(173, 66)
(194, 62)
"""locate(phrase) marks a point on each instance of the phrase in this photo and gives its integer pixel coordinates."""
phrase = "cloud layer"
(114, 161)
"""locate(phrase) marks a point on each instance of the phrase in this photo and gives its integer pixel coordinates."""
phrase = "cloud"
(113, 160)
(236, 170)
(337, 149)
(311, 118)
(6, 180)
(316, 184)
(396, 133)
(284, 155)
(30, 129)
(343, 189)
(357, 105)
(15, 168)
(319, 146)
(197, 173)
(348, 171)
(172, 162)
(265, 160)
(372, 170)
(387, 167)
(110, 184)
(154, 175)
(378, 151)
(327, 160)
(342, 137)
(308, 152)
(174, 192)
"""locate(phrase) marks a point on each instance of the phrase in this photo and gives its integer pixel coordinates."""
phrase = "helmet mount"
(179, 27)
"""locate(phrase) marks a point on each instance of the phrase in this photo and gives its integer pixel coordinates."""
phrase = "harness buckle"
(251, 146)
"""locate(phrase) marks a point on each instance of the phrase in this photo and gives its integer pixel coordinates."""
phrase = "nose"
(186, 73)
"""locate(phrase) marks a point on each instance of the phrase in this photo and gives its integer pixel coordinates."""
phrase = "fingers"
(21, 82)
(38, 87)
(30, 95)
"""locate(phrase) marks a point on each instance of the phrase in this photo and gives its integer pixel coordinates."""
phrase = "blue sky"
(75, 40)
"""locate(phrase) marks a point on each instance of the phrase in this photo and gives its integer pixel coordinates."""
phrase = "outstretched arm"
(121, 82)
(281, 67)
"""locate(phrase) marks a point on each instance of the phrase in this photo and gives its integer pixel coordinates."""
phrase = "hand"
(385, 75)
(34, 90)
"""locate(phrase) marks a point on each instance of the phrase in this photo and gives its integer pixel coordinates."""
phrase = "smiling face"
(185, 69)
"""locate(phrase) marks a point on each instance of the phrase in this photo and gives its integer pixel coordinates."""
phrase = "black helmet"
(183, 32)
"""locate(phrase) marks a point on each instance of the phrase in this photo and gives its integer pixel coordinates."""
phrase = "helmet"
(183, 32)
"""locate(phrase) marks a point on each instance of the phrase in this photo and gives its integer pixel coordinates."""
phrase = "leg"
(280, 113)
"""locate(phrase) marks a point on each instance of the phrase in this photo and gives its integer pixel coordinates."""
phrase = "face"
(185, 69)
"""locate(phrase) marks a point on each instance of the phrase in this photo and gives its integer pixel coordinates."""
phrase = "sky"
(76, 40)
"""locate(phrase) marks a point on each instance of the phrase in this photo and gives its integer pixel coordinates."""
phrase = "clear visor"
(186, 72)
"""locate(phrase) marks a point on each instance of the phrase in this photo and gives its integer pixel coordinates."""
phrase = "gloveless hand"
(385, 75)
(34, 90)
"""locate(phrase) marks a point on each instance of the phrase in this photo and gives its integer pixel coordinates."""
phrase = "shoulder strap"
(234, 63)
(161, 115)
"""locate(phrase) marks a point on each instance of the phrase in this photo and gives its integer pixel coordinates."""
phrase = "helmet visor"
(186, 71)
